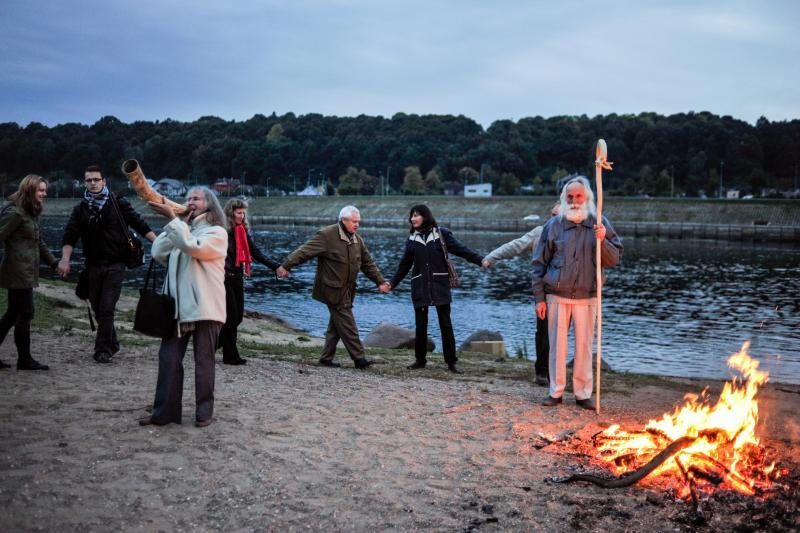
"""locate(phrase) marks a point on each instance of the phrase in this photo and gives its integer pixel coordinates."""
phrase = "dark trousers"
(342, 325)
(105, 285)
(542, 363)
(234, 306)
(169, 389)
(18, 315)
(421, 334)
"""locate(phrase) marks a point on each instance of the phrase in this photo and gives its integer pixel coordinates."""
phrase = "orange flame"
(725, 450)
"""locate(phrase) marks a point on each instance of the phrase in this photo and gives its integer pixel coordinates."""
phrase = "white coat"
(195, 259)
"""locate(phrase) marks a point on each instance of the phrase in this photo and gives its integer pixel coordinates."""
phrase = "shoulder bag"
(134, 256)
(452, 274)
(155, 312)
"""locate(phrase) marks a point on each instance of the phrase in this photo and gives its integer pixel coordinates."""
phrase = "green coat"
(24, 249)
(339, 260)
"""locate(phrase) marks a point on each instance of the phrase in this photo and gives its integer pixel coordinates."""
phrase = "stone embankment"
(684, 218)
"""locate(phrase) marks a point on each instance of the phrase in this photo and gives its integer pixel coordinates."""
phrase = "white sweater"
(195, 259)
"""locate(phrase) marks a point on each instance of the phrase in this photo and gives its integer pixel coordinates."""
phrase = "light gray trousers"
(583, 313)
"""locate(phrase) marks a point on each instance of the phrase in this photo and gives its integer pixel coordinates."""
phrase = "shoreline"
(295, 446)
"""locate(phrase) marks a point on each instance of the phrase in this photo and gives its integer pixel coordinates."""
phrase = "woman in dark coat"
(241, 253)
(430, 283)
(19, 271)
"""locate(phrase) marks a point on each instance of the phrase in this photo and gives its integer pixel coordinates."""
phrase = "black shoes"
(147, 421)
(542, 379)
(588, 403)
(416, 365)
(452, 368)
(102, 357)
(202, 423)
(31, 364)
(329, 364)
(363, 363)
(4, 365)
(550, 401)
(239, 361)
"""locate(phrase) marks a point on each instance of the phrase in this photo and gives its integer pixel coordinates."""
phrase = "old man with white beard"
(564, 285)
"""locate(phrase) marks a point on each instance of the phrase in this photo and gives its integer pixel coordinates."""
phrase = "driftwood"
(635, 476)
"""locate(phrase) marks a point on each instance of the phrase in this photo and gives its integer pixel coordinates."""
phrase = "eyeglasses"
(93, 180)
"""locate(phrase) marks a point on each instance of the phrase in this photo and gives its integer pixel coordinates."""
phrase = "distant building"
(479, 190)
(170, 187)
(225, 186)
(732, 194)
(311, 190)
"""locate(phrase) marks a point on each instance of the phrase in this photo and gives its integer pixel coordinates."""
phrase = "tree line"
(681, 154)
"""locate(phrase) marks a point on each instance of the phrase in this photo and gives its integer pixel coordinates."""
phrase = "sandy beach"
(294, 446)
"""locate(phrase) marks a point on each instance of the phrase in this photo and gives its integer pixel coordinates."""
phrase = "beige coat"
(195, 259)
(339, 259)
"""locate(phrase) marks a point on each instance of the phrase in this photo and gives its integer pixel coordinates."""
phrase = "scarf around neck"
(96, 202)
(242, 248)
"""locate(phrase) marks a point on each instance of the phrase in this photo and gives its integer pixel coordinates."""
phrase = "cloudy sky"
(78, 60)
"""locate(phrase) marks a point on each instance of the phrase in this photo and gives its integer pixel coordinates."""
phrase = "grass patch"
(47, 314)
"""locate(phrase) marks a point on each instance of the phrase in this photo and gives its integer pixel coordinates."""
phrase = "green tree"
(433, 182)
(275, 134)
(349, 182)
(413, 182)
(508, 184)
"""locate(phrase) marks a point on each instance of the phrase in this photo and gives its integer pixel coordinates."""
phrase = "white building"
(170, 187)
(480, 190)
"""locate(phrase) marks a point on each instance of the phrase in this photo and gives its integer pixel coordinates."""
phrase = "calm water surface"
(676, 308)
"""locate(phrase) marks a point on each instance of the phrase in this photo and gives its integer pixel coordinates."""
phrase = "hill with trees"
(685, 154)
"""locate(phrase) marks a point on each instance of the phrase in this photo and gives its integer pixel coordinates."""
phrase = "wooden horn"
(143, 189)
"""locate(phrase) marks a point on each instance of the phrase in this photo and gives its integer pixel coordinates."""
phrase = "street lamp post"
(672, 180)
(721, 169)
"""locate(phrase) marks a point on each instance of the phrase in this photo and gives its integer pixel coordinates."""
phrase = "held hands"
(63, 267)
(282, 272)
(600, 231)
(541, 310)
(385, 287)
(486, 263)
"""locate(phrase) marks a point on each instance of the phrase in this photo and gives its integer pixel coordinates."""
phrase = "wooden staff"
(600, 163)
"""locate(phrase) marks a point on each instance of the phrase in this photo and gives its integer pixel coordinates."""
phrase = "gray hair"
(347, 212)
(214, 213)
(587, 187)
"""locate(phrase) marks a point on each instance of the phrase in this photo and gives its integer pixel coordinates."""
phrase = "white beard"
(576, 213)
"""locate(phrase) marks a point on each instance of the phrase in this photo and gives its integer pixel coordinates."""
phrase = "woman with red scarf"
(241, 253)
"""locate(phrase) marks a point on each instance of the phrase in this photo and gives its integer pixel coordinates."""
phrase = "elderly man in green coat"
(341, 253)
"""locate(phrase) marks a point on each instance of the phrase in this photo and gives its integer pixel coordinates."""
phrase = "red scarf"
(242, 248)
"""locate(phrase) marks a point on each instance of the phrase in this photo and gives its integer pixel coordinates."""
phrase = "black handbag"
(134, 256)
(155, 312)
(452, 273)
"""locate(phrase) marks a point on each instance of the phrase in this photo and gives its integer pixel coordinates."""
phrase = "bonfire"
(701, 446)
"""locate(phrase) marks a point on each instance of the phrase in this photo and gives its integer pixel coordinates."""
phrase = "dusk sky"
(78, 60)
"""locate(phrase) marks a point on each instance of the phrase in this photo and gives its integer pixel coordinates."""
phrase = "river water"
(673, 307)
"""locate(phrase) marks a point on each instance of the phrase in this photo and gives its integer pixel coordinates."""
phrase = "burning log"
(632, 477)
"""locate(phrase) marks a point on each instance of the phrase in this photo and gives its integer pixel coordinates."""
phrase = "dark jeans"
(542, 363)
(169, 389)
(105, 285)
(342, 325)
(234, 306)
(18, 315)
(421, 334)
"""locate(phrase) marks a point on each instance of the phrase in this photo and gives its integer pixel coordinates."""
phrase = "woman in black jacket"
(241, 253)
(430, 283)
